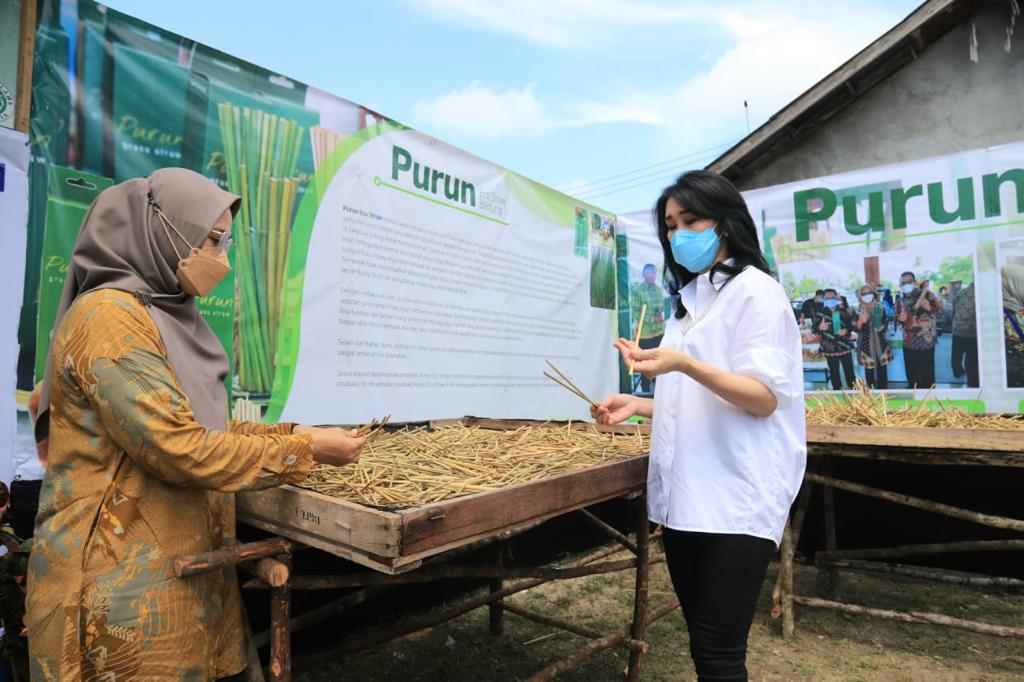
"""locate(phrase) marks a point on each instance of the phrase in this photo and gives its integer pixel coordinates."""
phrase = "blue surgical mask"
(831, 303)
(695, 251)
(868, 298)
(907, 288)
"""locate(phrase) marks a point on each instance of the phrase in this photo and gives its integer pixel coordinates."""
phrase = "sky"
(607, 100)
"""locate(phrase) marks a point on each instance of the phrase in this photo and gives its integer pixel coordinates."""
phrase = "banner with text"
(425, 282)
(926, 261)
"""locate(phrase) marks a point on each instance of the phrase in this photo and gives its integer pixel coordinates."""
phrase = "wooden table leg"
(829, 576)
(643, 565)
(786, 572)
(280, 630)
(497, 612)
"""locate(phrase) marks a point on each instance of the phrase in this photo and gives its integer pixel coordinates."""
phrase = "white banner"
(14, 209)
(427, 283)
(954, 225)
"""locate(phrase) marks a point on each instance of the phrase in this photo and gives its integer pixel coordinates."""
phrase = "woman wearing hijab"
(141, 456)
(835, 328)
(728, 438)
(1013, 323)
(873, 350)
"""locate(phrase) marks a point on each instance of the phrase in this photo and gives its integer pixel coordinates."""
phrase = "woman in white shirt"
(728, 439)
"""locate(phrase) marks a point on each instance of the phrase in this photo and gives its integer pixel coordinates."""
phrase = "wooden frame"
(26, 56)
(397, 541)
(928, 446)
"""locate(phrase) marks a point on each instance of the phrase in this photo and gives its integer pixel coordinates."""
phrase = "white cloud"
(772, 61)
(559, 23)
(773, 56)
(480, 112)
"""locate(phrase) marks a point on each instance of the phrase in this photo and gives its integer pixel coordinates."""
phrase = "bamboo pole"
(26, 63)
(913, 617)
(271, 571)
(950, 577)
(991, 520)
(568, 626)
(829, 577)
(379, 637)
(929, 548)
(596, 646)
(786, 573)
(481, 572)
(227, 556)
(281, 635)
(609, 530)
(796, 525)
(638, 630)
(496, 609)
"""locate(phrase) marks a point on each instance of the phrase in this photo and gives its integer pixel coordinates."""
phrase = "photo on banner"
(1010, 259)
(917, 238)
(921, 260)
(647, 291)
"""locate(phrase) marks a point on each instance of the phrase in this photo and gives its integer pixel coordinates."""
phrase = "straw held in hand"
(636, 341)
(567, 383)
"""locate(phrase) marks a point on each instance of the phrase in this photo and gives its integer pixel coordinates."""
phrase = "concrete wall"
(940, 104)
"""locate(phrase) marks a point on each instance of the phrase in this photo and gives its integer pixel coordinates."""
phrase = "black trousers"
(833, 370)
(717, 578)
(877, 377)
(646, 344)
(965, 352)
(920, 365)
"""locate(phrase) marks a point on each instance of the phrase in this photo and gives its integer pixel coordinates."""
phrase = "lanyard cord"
(165, 221)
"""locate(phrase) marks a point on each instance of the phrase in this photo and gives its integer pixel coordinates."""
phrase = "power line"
(688, 155)
(658, 173)
(656, 176)
(615, 190)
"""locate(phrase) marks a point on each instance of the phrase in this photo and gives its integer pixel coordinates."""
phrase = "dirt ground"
(828, 645)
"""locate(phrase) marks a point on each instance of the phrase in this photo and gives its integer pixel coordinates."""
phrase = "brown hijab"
(122, 245)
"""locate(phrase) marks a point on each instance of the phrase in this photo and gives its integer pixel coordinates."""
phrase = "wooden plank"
(920, 438)
(353, 554)
(441, 524)
(936, 456)
(26, 55)
(330, 519)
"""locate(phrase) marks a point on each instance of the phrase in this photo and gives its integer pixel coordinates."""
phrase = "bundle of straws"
(412, 467)
(261, 155)
(860, 407)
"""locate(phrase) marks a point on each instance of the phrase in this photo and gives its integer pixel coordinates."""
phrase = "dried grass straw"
(418, 466)
(860, 407)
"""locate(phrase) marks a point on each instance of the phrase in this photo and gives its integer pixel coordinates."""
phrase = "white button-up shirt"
(714, 467)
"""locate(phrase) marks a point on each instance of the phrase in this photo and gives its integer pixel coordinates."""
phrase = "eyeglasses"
(223, 240)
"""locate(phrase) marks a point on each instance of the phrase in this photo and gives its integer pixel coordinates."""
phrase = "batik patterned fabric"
(133, 482)
(919, 331)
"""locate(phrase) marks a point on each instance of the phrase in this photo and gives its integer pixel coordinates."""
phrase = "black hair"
(819, 291)
(649, 266)
(709, 195)
(833, 291)
(908, 272)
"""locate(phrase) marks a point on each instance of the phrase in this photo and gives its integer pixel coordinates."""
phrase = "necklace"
(692, 321)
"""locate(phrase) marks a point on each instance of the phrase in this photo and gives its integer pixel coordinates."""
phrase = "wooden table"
(396, 545)
(926, 446)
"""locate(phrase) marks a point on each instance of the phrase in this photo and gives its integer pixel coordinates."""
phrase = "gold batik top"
(133, 482)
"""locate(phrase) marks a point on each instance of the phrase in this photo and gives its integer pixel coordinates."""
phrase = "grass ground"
(828, 645)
